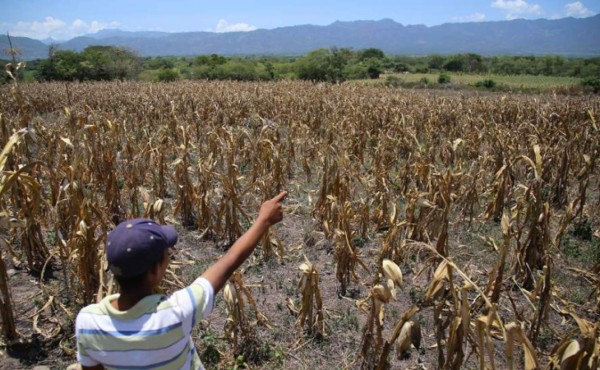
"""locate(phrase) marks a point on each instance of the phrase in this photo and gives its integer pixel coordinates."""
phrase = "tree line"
(332, 65)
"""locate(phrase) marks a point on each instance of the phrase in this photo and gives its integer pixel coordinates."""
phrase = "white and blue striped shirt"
(153, 334)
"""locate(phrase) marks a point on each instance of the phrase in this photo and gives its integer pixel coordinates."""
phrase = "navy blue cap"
(134, 246)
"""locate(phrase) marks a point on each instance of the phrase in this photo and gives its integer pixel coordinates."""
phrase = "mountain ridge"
(565, 36)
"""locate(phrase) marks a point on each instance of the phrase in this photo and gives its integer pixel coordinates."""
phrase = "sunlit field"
(421, 228)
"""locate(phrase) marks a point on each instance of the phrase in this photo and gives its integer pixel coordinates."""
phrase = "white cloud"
(96, 26)
(577, 10)
(476, 17)
(224, 26)
(56, 28)
(515, 8)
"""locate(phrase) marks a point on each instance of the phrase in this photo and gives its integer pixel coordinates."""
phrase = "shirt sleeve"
(195, 302)
(208, 297)
(82, 356)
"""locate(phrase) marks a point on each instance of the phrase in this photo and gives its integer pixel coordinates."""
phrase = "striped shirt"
(153, 334)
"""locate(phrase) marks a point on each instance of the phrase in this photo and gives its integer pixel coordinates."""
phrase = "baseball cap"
(134, 246)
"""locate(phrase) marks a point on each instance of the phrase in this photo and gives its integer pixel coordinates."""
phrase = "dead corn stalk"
(311, 314)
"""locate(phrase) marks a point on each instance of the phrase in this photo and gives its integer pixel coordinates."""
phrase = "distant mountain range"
(567, 36)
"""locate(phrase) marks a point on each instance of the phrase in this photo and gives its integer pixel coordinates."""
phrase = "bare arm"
(271, 212)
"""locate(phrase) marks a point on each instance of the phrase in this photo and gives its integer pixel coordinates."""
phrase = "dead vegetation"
(462, 226)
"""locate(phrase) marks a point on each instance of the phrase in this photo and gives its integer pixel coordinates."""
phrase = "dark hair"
(131, 283)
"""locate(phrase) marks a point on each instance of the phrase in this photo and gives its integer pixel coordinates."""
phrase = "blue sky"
(64, 19)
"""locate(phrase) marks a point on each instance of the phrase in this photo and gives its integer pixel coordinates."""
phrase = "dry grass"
(474, 198)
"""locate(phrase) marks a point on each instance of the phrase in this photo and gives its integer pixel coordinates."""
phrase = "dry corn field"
(423, 230)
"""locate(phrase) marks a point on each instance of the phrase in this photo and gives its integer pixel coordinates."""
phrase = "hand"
(271, 211)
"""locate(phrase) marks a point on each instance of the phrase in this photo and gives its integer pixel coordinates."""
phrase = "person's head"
(137, 252)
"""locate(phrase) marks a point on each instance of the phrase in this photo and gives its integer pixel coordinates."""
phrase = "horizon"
(62, 20)
(299, 25)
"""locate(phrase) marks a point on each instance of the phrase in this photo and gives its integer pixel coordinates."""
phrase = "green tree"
(94, 63)
(168, 75)
(503, 65)
(370, 68)
(270, 69)
(240, 70)
(374, 68)
(371, 53)
(159, 62)
(109, 63)
(472, 63)
(314, 66)
(210, 60)
(436, 61)
(454, 64)
(324, 65)
(61, 65)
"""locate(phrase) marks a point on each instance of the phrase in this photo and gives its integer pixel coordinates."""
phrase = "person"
(137, 329)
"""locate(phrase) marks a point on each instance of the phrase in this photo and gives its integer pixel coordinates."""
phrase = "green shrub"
(421, 69)
(393, 81)
(168, 75)
(356, 71)
(571, 248)
(582, 230)
(210, 354)
(593, 83)
(488, 83)
(444, 78)
(424, 81)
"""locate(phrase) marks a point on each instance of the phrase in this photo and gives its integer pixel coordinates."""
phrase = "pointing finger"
(281, 196)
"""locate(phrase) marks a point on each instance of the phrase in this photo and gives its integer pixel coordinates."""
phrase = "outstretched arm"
(271, 212)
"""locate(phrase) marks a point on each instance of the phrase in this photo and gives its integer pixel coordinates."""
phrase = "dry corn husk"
(391, 287)
(410, 335)
(392, 271)
(382, 293)
(571, 356)
(514, 333)
(230, 295)
(583, 353)
(404, 340)
(437, 284)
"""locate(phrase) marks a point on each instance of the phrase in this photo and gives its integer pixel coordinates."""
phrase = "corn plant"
(186, 196)
(7, 180)
(239, 328)
(230, 210)
(578, 354)
(531, 253)
(311, 314)
(380, 294)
